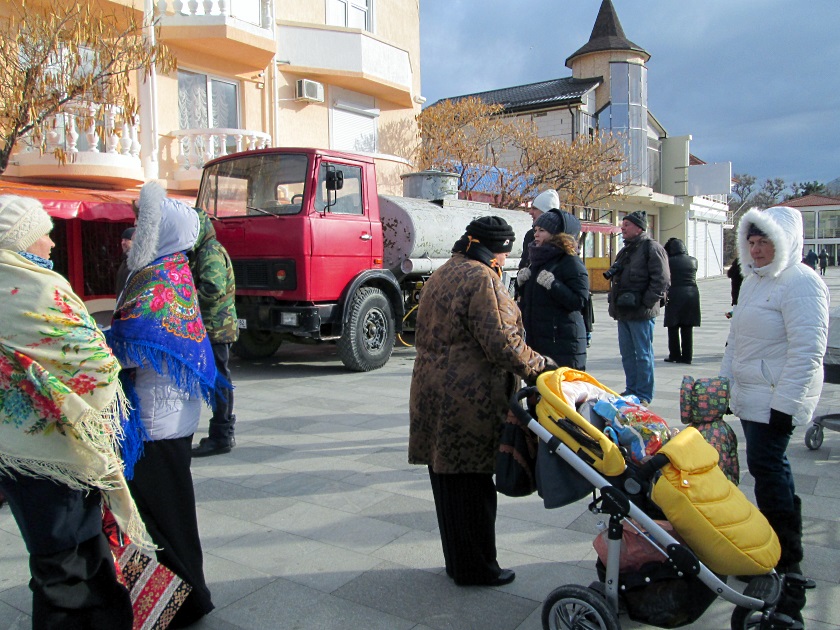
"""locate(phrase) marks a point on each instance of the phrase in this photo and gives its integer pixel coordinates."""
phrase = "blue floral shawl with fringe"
(158, 324)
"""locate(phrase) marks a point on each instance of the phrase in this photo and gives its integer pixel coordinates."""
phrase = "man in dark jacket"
(122, 272)
(214, 281)
(640, 279)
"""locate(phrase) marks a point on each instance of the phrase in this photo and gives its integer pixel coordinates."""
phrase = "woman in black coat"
(682, 310)
(554, 289)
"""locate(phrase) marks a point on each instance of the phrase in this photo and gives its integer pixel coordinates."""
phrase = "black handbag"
(516, 459)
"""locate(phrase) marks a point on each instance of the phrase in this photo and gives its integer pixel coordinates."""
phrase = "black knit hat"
(128, 233)
(557, 221)
(494, 233)
(639, 217)
(753, 230)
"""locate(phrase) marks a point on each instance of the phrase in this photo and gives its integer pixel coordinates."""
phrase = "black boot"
(788, 527)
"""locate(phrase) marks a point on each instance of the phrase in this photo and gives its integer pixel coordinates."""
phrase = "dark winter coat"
(736, 279)
(553, 318)
(683, 305)
(470, 342)
(214, 281)
(644, 265)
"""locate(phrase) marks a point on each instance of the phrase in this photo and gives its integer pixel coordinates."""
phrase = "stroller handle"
(518, 410)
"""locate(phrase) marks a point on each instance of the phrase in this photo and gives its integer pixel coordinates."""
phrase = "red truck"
(318, 255)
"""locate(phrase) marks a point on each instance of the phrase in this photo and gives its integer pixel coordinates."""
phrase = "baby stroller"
(721, 532)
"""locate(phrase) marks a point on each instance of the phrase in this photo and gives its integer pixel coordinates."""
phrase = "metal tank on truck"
(320, 257)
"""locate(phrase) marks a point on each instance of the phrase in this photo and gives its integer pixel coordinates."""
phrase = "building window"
(353, 117)
(809, 224)
(626, 116)
(350, 13)
(208, 102)
(829, 224)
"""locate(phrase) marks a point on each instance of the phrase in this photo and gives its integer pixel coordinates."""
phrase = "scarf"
(61, 404)
(472, 248)
(539, 255)
(158, 325)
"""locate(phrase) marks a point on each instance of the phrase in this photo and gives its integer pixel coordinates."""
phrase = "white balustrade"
(199, 146)
(256, 12)
(85, 127)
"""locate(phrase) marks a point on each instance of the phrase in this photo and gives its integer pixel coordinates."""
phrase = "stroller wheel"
(572, 606)
(814, 437)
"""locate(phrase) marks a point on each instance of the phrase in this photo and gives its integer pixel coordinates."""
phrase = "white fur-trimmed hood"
(164, 226)
(783, 226)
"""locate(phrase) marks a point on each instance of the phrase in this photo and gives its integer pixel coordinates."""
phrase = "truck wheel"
(256, 344)
(368, 338)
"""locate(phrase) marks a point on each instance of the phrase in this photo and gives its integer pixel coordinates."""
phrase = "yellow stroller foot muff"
(726, 531)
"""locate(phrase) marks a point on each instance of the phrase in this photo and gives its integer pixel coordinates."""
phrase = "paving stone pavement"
(316, 520)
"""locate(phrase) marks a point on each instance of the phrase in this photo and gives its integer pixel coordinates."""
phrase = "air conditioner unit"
(310, 91)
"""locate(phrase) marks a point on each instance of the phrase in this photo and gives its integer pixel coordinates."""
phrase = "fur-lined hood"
(783, 226)
(164, 226)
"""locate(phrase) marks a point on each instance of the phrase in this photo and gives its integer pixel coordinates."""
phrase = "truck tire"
(256, 344)
(368, 338)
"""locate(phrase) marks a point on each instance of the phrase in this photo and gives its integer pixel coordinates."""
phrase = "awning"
(595, 226)
(87, 204)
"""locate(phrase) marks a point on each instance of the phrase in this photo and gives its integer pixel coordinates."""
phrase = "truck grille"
(274, 275)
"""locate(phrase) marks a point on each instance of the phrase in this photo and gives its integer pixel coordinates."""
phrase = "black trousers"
(221, 424)
(163, 490)
(74, 583)
(466, 513)
(681, 351)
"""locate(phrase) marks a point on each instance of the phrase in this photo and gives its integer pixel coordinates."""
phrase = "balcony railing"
(84, 141)
(257, 12)
(198, 146)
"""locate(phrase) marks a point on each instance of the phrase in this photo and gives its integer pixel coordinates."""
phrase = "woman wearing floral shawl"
(157, 333)
(60, 411)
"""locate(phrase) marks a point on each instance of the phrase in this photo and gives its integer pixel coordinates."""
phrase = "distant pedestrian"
(682, 308)
(640, 280)
(735, 279)
(811, 259)
(122, 272)
(470, 349)
(823, 261)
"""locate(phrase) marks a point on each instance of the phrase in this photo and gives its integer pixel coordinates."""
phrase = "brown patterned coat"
(470, 343)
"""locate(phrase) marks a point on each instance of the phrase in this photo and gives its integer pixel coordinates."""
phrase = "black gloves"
(781, 422)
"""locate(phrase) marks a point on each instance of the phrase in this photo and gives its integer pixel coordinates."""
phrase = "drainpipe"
(147, 90)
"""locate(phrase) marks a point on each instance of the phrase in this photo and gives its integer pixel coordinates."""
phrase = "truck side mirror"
(335, 179)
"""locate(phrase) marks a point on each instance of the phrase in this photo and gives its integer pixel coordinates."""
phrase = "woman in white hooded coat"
(773, 359)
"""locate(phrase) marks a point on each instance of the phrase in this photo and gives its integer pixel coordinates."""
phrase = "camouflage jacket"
(213, 275)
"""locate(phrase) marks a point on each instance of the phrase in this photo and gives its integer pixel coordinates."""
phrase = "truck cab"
(303, 231)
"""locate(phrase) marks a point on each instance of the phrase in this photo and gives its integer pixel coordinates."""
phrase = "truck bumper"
(313, 321)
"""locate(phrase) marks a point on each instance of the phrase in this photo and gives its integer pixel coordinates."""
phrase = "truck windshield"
(270, 183)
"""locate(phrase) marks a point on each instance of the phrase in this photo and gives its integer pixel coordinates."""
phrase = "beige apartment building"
(339, 74)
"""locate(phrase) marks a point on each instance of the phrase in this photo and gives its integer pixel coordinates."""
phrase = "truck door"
(341, 233)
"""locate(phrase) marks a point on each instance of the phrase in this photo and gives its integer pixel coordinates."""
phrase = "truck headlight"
(289, 319)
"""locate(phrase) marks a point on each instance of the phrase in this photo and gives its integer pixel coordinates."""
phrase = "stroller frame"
(760, 596)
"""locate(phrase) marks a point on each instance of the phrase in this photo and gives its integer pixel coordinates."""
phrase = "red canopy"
(66, 202)
(593, 226)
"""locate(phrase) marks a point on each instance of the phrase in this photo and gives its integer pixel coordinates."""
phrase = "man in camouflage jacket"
(213, 275)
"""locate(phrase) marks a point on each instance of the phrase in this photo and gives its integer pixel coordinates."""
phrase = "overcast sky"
(755, 82)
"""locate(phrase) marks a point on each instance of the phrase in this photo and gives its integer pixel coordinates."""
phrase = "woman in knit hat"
(158, 335)
(554, 291)
(59, 422)
(470, 349)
